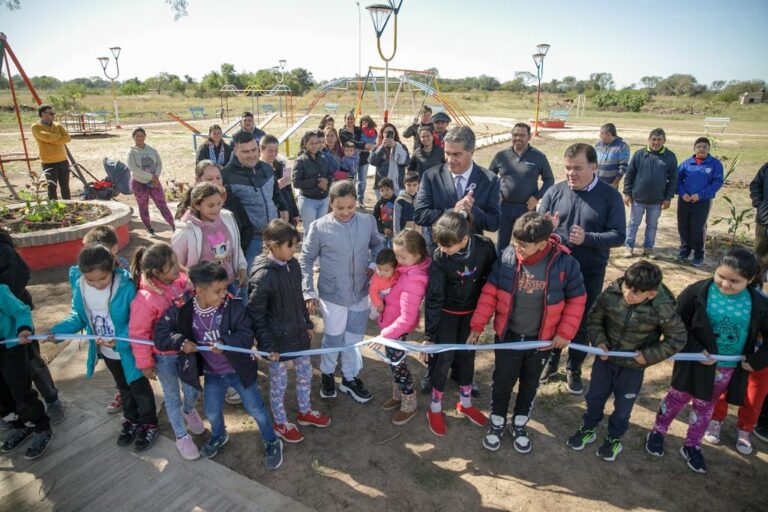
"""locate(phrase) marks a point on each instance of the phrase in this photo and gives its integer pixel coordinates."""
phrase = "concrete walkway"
(85, 470)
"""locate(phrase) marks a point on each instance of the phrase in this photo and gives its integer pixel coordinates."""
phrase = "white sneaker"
(743, 444)
(233, 398)
(629, 252)
(712, 435)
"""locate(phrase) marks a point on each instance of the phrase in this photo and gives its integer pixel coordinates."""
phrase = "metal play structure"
(408, 84)
(280, 92)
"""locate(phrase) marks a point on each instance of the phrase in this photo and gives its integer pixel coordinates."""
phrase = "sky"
(712, 40)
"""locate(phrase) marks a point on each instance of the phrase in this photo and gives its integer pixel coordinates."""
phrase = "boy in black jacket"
(403, 217)
(194, 328)
(459, 269)
(384, 211)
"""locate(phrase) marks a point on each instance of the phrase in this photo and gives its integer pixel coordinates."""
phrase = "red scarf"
(532, 260)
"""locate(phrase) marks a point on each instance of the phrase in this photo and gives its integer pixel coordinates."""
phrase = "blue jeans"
(214, 392)
(652, 213)
(311, 209)
(254, 249)
(167, 369)
(362, 175)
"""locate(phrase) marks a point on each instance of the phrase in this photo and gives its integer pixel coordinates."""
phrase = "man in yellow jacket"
(51, 138)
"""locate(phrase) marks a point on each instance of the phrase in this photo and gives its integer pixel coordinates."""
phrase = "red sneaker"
(115, 405)
(473, 414)
(288, 432)
(313, 418)
(436, 422)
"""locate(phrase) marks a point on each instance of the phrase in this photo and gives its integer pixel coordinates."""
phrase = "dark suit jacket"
(437, 194)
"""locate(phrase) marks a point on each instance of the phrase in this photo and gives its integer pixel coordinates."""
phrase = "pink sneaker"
(194, 422)
(116, 405)
(187, 448)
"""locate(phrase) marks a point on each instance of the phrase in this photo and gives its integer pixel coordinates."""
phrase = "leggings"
(701, 410)
(278, 382)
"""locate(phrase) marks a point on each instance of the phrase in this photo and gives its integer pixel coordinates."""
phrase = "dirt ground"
(363, 462)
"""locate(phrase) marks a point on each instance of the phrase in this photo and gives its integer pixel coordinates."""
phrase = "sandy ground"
(363, 462)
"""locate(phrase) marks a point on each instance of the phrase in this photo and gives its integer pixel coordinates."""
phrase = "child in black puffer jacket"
(281, 323)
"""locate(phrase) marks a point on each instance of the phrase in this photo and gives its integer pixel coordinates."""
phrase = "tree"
(211, 82)
(680, 84)
(568, 84)
(300, 81)
(602, 81)
(717, 85)
(229, 76)
(650, 82)
(527, 77)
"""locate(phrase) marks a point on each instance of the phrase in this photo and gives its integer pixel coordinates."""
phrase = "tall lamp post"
(538, 59)
(104, 61)
(279, 72)
(380, 14)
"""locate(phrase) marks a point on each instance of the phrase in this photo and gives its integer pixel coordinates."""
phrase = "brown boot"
(394, 402)
(407, 410)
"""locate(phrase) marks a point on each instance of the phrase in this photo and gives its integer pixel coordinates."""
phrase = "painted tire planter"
(57, 247)
(550, 123)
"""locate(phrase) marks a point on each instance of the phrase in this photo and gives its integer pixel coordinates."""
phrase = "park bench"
(559, 114)
(716, 122)
(195, 111)
(267, 108)
(331, 108)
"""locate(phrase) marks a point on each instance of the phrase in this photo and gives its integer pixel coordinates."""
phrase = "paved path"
(85, 470)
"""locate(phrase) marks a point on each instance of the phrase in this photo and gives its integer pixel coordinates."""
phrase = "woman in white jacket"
(207, 232)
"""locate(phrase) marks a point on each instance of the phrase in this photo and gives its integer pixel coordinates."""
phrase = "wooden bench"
(195, 111)
(559, 114)
(331, 108)
(716, 122)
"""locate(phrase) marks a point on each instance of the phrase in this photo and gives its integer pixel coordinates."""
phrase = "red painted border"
(63, 253)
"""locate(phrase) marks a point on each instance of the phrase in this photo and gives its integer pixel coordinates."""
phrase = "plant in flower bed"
(39, 213)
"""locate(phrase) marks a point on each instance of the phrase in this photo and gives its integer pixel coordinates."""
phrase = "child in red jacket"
(536, 292)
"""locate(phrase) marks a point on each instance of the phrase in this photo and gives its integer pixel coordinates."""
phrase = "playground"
(363, 462)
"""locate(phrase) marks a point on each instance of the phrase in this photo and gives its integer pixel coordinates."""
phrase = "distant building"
(752, 97)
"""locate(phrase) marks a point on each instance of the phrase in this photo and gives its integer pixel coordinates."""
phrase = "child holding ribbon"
(723, 316)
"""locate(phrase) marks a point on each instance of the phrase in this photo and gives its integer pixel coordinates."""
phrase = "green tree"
(602, 81)
(650, 82)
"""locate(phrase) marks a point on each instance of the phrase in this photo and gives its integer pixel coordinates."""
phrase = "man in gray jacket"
(649, 186)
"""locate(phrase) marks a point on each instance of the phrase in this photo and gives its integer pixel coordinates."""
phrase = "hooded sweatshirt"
(401, 305)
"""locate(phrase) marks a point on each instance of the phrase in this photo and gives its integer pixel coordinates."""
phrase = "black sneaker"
(356, 389)
(475, 390)
(17, 437)
(550, 370)
(654, 443)
(697, 262)
(581, 438)
(575, 386)
(761, 433)
(520, 435)
(273, 455)
(146, 437)
(214, 444)
(694, 458)
(128, 434)
(39, 444)
(492, 439)
(55, 412)
(610, 449)
(327, 386)
(425, 386)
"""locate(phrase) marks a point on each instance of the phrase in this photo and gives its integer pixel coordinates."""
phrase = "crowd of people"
(230, 276)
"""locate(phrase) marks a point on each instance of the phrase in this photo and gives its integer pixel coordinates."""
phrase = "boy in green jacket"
(631, 315)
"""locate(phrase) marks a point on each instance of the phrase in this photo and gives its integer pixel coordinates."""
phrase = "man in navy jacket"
(459, 185)
(589, 219)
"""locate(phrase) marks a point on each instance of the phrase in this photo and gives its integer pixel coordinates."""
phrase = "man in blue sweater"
(589, 218)
(649, 185)
(612, 156)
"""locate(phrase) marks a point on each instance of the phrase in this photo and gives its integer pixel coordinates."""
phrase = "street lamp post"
(538, 59)
(279, 72)
(380, 14)
(104, 61)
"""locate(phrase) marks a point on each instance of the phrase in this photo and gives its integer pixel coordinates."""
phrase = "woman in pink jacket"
(401, 316)
(161, 284)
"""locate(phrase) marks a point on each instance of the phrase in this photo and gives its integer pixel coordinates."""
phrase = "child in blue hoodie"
(101, 304)
(16, 393)
(698, 180)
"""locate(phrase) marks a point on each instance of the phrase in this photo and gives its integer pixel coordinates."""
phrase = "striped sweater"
(612, 159)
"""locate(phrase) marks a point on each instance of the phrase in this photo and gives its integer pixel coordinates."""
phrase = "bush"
(132, 89)
(630, 100)
(727, 97)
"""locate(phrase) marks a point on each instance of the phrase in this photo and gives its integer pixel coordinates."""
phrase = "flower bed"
(56, 241)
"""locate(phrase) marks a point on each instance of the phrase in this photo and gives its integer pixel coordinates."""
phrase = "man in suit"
(462, 186)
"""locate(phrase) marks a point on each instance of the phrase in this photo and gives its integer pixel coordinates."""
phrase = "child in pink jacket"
(161, 284)
(401, 316)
